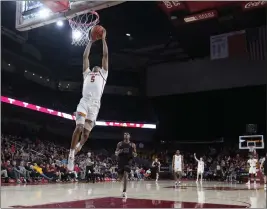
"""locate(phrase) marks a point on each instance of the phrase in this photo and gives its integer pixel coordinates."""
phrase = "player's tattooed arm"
(118, 150)
(134, 150)
(105, 52)
(86, 63)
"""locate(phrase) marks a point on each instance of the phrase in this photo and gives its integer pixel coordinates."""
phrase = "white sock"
(72, 151)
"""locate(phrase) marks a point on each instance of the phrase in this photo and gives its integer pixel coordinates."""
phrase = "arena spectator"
(4, 173)
(11, 171)
(138, 174)
(23, 172)
(39, 170)
(77, 171)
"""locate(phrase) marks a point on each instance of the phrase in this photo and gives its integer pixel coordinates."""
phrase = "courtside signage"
(72, 117)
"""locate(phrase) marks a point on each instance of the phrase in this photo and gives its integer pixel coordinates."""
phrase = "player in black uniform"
(156, 165)
(264, 165)
(125, 151)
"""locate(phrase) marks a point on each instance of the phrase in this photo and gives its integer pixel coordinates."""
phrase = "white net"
(251, 148)
(81, 26)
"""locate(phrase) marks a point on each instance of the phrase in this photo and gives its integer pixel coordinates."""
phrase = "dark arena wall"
(204, 75)
(210, 115)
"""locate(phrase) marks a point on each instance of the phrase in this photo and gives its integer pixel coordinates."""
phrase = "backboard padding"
(76, 8)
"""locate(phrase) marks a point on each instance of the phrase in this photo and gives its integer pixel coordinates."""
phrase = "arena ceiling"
(158, 34)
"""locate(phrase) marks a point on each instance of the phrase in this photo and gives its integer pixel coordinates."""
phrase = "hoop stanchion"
(81, 26)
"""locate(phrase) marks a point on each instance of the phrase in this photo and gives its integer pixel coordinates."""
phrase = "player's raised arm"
(105, 52)
(195, 157)
(86, 63)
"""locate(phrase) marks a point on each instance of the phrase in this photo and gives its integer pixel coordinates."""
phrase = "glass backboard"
(251, 140)
(34, 14)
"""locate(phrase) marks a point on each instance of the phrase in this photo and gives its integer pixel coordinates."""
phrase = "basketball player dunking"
(156, 165)
(252, 169)
(264, 165)
(125, 151)
(177, 167)
(94, 82)
(200, 168)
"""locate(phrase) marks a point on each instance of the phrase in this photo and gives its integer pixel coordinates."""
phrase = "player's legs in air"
(88, 125)
(80, 121)
(84, 125)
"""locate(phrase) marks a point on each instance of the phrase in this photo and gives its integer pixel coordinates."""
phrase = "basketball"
(97, 32)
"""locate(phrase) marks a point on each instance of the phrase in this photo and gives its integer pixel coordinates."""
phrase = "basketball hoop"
(81, 26)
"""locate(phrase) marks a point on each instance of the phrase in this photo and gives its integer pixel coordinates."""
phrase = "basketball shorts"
(252, 170)
(87, 110)
(177, 169)
(124, 165)
(200, 171)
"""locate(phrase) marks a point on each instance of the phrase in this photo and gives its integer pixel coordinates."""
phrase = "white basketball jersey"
(178, 162)
(252, 162)
(200, 165)
(94, 83)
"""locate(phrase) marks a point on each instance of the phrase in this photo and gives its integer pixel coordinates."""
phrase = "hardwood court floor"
(142, 194)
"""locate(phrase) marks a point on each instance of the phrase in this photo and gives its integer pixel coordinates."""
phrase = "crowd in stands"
(29, 160)
(37, 160)
(219, 167)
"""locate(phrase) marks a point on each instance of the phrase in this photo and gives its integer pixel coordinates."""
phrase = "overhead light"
(33, 74)
(8, 64)
(128, 34)
(47, 79)
(25, 71)
(60, 23)
(76, 34)
(40, 76)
